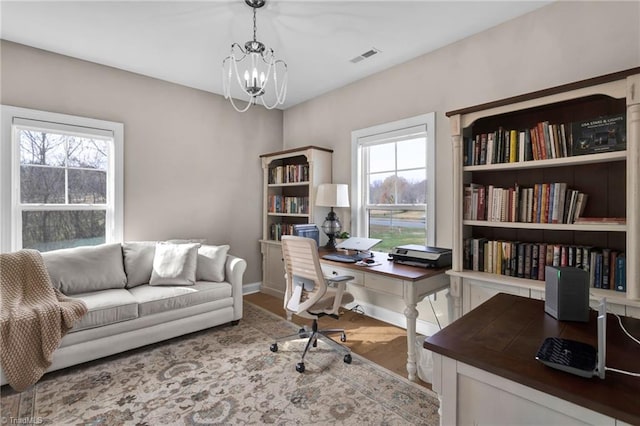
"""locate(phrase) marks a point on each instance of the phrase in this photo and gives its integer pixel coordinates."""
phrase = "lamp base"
(331, 227)
(331, 244)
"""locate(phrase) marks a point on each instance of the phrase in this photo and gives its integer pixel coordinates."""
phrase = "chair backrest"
(302, 267)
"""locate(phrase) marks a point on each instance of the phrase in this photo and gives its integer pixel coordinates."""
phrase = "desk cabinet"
(471, 396)
(485, 371)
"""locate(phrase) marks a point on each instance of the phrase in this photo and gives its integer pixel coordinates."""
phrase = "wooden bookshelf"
(610, 179)
(290, 180)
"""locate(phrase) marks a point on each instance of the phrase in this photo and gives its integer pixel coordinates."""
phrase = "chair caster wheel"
(274, 347)
(300, 367)
(302, 333)
(347, 359)
(343, 337)
(315, 343)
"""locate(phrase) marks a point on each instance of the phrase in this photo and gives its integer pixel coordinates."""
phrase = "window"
(393, 182)
(64, 188)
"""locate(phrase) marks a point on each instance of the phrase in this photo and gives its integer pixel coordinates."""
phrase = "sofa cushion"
(174, 264)
(106, 307)
(85, 269)
(138, 261)
(153, 300)
(211, 261)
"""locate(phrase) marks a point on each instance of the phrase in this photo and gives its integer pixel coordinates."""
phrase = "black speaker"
(567, 293)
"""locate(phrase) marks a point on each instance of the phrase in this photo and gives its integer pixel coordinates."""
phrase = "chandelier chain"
(254, 24)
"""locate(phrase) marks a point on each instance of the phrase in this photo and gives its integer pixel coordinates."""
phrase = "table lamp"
(332, 195)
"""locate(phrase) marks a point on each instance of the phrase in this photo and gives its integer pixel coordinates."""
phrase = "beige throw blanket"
(33, 318)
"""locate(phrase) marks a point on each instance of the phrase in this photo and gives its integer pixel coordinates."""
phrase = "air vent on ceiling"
(365, 55)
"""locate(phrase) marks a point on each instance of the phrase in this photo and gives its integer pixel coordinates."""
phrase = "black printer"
(424, 256)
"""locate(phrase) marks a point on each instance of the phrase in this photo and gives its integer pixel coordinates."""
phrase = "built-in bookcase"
(290, 182)
(609, 176)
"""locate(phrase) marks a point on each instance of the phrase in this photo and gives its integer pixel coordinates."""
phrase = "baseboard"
(425, 328)
(251, 288)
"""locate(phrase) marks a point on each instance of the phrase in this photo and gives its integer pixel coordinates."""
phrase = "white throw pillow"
(211, 261)
(174, 264)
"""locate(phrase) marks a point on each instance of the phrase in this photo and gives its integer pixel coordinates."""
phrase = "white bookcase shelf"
(611, 179)
(309, 166)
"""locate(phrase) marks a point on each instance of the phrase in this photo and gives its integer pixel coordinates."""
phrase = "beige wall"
(191, 162)
(560, 43)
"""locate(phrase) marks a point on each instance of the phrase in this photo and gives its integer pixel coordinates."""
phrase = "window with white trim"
(65, 187)
(393, 182)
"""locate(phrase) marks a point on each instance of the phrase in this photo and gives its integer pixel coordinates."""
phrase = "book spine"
(542, 260)
(513, 146)
(534, 262)
(621, 273)
(606, 257)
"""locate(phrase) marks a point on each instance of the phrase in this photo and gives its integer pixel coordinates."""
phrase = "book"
(621, 273)
(606, 258)
(513, 146)
(534, 262)
(581, 202)
(602, 134)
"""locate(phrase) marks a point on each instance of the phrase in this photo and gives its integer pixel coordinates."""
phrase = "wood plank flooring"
(377, 341)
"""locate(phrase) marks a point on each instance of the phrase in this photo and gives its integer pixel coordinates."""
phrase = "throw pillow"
(138, 261)
(174, 264)
(85, 269)
(211, 261)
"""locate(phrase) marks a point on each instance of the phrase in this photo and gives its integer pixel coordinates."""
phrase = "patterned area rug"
(224, 375)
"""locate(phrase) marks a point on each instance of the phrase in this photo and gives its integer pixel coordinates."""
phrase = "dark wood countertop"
(503, 335)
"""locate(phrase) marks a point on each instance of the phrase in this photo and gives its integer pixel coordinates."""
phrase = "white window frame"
(396, 130)
(10, 212)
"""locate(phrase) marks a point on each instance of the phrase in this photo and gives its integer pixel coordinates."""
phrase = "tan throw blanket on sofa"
(33, 318)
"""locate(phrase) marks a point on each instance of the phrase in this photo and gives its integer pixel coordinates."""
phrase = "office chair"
(309, 294)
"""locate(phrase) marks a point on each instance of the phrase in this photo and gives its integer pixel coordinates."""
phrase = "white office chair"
(309, 294)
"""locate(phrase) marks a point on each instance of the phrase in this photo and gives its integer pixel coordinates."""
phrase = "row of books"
(284, 204)
(277, 230)
(291, 173)
(606, 267)
(546, 140)
(542, 203)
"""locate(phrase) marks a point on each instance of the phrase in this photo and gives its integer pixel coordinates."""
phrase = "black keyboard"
(344, 258)
(568, 355)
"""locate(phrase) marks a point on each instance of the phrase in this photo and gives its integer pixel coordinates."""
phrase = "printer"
(424, 256)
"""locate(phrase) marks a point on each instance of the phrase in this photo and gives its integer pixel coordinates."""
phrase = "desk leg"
(411, 313)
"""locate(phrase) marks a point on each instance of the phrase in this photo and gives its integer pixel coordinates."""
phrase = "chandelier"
(254, 72)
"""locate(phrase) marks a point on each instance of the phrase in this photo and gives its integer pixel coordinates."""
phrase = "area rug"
(224, 375)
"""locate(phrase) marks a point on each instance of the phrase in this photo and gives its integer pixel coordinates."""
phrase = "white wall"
(559, 43)
(191, 163)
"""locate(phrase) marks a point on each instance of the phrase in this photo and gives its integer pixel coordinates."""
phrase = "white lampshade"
(333, 195)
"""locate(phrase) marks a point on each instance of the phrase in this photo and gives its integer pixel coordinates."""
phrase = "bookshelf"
(290, 181)
(609, 175)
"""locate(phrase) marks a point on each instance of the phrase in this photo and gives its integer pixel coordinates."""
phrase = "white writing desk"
(409, 283)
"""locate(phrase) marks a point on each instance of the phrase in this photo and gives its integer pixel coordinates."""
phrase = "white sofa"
(139, 293)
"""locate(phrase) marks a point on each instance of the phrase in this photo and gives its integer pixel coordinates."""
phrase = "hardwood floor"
(377, 341)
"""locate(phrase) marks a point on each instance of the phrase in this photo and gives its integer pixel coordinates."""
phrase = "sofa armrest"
(234, 272)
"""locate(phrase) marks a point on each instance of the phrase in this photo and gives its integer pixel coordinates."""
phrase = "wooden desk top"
(503, 335)
(386, 267)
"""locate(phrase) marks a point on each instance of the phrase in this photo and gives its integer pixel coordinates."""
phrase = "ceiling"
(185, 41)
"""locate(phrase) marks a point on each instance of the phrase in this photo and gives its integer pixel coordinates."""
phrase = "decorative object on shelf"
(332, 195)
(260, 69)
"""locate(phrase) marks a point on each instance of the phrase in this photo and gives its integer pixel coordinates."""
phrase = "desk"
(409, 283)
(485, 370)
